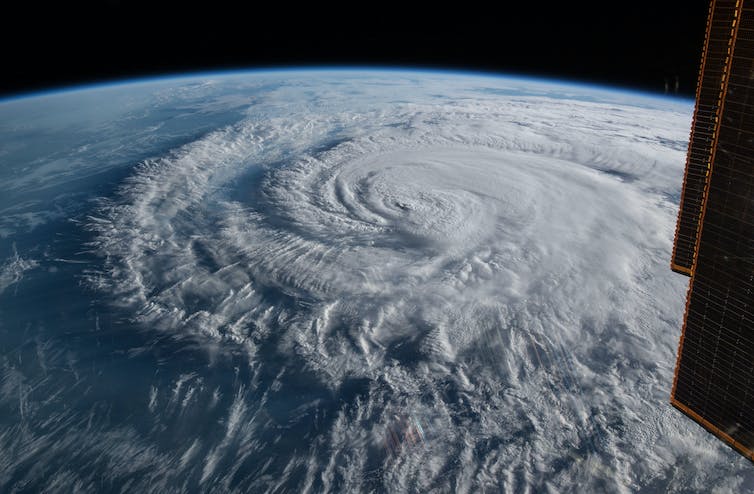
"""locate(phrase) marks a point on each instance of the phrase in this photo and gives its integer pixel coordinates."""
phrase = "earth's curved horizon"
(176, 77)
(344, 280)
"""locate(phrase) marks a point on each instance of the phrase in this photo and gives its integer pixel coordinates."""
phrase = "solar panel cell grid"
(714, 381)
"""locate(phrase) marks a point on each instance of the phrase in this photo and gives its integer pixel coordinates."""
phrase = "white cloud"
(492, 267)
(13, 269)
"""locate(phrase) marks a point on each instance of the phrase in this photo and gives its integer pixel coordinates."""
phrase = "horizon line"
(144, 79)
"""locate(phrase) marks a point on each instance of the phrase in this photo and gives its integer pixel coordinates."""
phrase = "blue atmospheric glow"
(182, 76)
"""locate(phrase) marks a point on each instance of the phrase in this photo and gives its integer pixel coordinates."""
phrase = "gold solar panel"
(712, 73)
(714, 376)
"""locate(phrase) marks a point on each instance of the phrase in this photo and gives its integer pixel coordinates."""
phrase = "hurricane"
(378, 283)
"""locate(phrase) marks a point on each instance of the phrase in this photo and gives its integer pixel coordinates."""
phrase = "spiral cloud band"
(461, 290)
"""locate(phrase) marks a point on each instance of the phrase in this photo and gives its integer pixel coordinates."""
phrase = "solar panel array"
(714, 379)
(712, 75)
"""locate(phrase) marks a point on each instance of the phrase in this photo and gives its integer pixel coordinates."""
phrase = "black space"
(637, 45)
